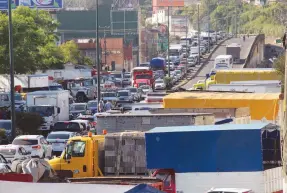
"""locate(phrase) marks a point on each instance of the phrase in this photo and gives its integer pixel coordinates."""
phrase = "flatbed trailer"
(119, 180)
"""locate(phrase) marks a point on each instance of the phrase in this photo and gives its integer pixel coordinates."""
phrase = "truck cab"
(82, 157)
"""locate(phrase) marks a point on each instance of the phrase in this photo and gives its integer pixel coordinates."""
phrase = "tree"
(34, 40)
(70, 52)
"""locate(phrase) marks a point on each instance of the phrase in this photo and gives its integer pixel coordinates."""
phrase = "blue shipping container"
(157, 63)
(207, 148)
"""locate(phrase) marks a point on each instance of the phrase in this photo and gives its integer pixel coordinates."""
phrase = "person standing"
(108, 106)
(101, 106)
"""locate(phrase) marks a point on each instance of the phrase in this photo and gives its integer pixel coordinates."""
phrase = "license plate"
(56, 144)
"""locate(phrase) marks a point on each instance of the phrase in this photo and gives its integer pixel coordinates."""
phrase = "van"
(223, 61)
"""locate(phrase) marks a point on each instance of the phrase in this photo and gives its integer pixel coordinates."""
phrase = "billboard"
(38, 4)
(179, 23)
(170, 3)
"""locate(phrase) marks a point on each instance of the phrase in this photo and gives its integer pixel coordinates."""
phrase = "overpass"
(252, 54)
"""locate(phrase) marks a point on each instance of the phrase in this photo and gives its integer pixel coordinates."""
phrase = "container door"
(76, 159)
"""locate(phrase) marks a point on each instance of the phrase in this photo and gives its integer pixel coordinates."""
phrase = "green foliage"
(34, 40)
(28, 123)
(279, 65)
(70, 52)
(2, 133)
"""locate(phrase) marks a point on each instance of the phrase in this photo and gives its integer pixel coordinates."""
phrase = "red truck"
(144, 77)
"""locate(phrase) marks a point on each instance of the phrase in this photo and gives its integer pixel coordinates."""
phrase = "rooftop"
(223, 127)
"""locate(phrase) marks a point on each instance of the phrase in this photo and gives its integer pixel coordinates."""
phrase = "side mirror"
(58, 110)
(68, 157)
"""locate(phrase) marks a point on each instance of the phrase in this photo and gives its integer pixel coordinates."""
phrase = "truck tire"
(81, 97)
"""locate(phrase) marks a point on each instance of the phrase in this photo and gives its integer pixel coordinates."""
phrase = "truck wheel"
(80, 97)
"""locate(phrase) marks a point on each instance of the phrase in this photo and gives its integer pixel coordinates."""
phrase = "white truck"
(53, 106)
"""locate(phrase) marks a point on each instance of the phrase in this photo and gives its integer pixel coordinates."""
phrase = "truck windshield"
(66, 126)
(58, 136)
(143, 76)
(92, 104)
(44, 111)
(123, 94)
(78, 107)
(109, 94)
(88, 82)
(117, 75)
(57, 87)
(5, 124)
(133, 90)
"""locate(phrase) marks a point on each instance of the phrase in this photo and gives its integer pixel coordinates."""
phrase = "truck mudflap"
(15, 177)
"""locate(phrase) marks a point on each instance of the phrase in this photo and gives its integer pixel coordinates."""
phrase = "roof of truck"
(46, 92)
(255, 126)
(86, 138)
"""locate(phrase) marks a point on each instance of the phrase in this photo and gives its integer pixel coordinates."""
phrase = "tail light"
(94, 123)
(36, 147)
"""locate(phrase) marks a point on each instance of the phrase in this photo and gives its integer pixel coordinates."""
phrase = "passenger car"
(135, 93)
(68, 126)
(78, 108)
(92, 106)
(58, 139)
(159, 84)
(125, 95)
(36, 144)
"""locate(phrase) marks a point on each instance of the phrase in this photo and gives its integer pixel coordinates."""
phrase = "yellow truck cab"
(82, 157)
(203, 84)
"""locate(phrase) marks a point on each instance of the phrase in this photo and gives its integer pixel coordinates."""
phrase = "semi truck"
(53, 106)
(234, 50)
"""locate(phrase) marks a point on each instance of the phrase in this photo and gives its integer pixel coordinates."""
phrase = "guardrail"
(257, 39)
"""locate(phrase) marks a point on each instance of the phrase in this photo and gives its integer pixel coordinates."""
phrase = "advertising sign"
(38, 4)
(179, 23)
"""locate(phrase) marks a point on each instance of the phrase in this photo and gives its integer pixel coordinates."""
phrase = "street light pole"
(168, 66)
(11, 61)
(186, 31)
(198, 26)
(208, 17)
(98, 57)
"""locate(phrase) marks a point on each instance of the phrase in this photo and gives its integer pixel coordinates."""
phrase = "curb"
(203, 64)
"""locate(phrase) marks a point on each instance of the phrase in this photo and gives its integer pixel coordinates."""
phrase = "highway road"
(221, 50)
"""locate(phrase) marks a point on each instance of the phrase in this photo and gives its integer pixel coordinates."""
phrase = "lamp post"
(98, 57)
(11, 62)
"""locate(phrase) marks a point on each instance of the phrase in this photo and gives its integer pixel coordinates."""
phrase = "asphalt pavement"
(221, 50)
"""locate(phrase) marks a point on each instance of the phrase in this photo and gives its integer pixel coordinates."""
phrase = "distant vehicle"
(146, 64)
(85, 123)
(135, 94)
(159, 84)
(125, 95)
(11, 152)
(223, 59)
(146, 89)
(68, 126)
(36, 144)
(92, 106)
(78, 108)
(230, 190)
(109, 96)
(127, 79)
(58, 139)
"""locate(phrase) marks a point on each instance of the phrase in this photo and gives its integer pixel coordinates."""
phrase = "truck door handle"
(84, 168)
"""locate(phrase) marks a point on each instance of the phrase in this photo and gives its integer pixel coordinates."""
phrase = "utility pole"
(198, 26)
(98, 58)
(284, 126)
(105, 47)
(186, 32)
(168, 67)
(236, 21)
(208, 17)
(216, 31)
(11, 61)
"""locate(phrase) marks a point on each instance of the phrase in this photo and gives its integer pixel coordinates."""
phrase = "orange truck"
(143, 78)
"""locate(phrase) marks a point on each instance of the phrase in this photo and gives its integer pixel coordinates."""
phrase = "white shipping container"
(38, 81)
(68, 74)
(253, 88)
(267, 181)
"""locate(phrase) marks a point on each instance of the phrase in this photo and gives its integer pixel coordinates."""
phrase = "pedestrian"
(108, 106)
(101, 106)
(243, 37)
